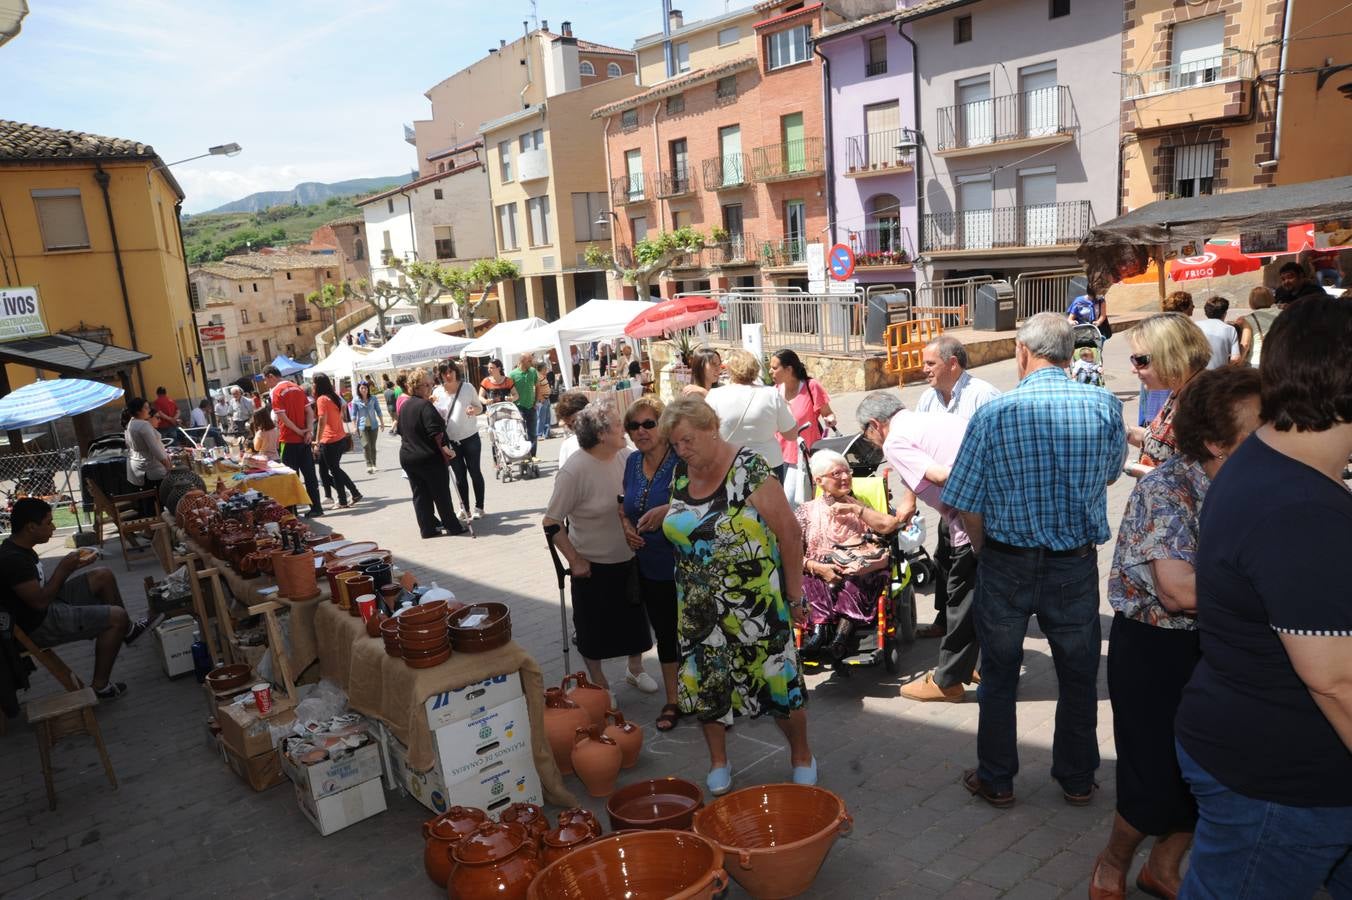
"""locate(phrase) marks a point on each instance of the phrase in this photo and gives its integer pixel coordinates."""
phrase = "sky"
(313, 91)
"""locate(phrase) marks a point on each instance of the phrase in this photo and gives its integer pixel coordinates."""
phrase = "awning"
(69, 355)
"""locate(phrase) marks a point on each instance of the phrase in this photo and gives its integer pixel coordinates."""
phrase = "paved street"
(182, 824)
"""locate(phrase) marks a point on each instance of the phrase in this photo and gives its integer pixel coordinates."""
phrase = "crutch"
(560, 572)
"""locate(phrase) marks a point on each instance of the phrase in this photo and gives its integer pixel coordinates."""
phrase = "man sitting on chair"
(66, 604)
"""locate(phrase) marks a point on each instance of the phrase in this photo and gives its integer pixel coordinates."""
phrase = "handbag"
(859, 557)
(1106, 329)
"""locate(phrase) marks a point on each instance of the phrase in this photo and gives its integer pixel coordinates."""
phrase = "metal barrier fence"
(1049, 291)
(837, 324)
(51, 475)
(951, 300)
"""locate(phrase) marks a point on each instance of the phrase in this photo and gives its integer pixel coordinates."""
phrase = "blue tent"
(288, 366)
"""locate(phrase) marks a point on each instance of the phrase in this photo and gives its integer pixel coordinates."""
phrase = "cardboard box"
(173, 637)
(428, 788)
(492, 788)
(337, 773)
(469, 744)
(248, 735)
(472, 700)
(347, 807)
(259, 772)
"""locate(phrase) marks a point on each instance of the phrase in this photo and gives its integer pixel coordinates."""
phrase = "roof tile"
(20, 141)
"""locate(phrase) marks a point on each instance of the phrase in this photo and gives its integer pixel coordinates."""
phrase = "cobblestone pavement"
(182, 824)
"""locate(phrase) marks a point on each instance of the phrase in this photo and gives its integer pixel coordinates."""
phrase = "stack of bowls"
(389, 632)
(424, 641)
(492, 632)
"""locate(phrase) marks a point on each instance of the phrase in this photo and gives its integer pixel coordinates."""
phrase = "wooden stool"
(63, 715)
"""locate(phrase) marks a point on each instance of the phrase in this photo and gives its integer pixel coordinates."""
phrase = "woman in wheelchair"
(845, 563)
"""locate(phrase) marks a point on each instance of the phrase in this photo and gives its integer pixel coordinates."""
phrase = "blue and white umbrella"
(46, 401)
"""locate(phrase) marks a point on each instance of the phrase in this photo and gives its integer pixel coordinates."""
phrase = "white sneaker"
(643, 681)
(478, 512)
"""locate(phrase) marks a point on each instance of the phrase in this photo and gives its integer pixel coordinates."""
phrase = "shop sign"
(20, 314)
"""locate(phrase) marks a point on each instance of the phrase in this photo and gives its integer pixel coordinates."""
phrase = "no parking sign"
(840, 262)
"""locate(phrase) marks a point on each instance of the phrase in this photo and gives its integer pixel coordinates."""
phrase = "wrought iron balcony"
(1229, 66)
(876, 153)
(1007, 227)
(783, 253)
(731, 251)
(882, 244)
(1043, 115)
(677, 183)
(877, 67)
(629, 189)
(727, 173)
(789, 160)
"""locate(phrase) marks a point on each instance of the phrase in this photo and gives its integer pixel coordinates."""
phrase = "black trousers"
(958, 651)
(302, 459)
(432, 504)
(331, 456)
(943, 553)
(466, 468)
(659, 601)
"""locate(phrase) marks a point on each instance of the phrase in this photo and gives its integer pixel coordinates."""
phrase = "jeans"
(958, 650)
(528, 417)
(542, 420)
(1246, 849)
(466, 469)
(1062, 592)
(301, 458)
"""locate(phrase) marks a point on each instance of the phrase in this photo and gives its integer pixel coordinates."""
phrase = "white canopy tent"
(595, 320)
(413, 345)
(492, 341)
(338, 364)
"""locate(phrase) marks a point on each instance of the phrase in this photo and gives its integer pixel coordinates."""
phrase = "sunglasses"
(646, 425)
(1140, 360)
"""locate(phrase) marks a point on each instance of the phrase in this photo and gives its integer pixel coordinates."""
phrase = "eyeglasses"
(646, 425)
(1140, 360)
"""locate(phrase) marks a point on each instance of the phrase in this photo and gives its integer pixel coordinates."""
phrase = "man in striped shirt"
(1031, 482)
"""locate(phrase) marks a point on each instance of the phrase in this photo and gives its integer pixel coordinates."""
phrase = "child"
(1086, 370)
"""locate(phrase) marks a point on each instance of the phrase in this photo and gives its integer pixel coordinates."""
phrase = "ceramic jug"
(628, 735)
(491, 863)
(563, 718)
(443, 833)
(591, 697)
(596, 760)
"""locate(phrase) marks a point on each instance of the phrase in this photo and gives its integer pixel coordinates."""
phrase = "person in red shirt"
(166, 414)
(295, 419)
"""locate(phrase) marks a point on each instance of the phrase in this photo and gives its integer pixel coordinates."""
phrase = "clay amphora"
(563, 718)
(491, 863)
(597, 760)
(593, 698)
(628, 735)
(444, 832)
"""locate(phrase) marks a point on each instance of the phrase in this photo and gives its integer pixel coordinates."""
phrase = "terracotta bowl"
(349, 552)
(422, 616)
(392, 649)
(389, 628)
(407, 645)
(654, 804)
(373, 624)
(228, 678)
(499, 617)
(428, 662)
(464, 646)
(776, 835)
(640, 865)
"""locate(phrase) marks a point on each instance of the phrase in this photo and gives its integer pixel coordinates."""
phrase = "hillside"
(309, 192)
(210, 236)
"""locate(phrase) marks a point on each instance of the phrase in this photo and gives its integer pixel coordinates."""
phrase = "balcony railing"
(789, 160)
(877, 67)
(1229, 66)
(1034, 225)
(630, 189)
(790, 251)
(877, 151)
(883, 243)
(673, 184)
(1040, 113)
(726, 172)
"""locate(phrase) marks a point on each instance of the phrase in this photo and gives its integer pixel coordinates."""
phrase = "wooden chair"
(63, 715)
(123, 511)
(47, 658)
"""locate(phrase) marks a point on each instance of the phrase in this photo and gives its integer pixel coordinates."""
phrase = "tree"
(329, 297)
(651, 257)
(422, 286)
(482, 276)
(381, 297)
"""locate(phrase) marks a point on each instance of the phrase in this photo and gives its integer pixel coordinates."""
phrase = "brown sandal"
(668, 717)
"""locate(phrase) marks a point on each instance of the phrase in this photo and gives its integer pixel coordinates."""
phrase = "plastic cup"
(366, 605)
(263, 697)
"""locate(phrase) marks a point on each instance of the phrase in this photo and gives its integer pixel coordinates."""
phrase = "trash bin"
(882, 310)
(994, 307)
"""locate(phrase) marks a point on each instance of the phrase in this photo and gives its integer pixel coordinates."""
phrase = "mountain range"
(309, 192)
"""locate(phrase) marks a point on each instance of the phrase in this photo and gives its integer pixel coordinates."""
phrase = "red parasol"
(1215, 260)
(672, 315)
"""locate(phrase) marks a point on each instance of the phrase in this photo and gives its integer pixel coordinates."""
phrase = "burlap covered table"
(286, 488)
(384, 687)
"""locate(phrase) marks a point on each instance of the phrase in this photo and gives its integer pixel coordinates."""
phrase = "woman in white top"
(752, 415)
(459, 405)
(147, 460)
(569, 405)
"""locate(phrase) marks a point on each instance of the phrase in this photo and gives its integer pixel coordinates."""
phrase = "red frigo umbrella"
(672, 315)
(1214, 261)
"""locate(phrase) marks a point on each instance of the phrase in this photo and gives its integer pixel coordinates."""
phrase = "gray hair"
(824, 461)
(949, 347)
(1049, 336)
(592, 421)
(879, 405)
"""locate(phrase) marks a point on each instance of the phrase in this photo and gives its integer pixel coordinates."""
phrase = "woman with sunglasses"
(1167, 352)
(647, 491)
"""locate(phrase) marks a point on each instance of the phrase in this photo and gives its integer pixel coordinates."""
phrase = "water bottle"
(201, 658)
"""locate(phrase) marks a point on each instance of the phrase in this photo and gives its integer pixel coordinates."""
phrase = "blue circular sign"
(840, 262)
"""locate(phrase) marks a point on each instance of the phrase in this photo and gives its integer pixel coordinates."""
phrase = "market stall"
(595, 320)
(492, 341)
(277, 481)
(413, 345)
(340, 363)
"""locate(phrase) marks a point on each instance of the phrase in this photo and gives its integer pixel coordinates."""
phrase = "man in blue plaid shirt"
(1031, 481)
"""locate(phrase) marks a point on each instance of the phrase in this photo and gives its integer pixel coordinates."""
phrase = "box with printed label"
(428, 788)
(337, 811)
(472, 699)
(259, 772)
(337, 773)
(511, 779)
(173, 637)
(245, 733)
(469, 744)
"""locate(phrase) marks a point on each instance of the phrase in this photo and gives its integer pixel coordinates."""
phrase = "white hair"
(1049, 336)
(824, 461)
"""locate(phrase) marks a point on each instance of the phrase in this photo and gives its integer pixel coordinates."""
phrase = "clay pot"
(677, 865)
(422, 616)
(350, 552)
(492, 861)
(389, 596)
(579, 814)
(529, 816)
(228, 678)
(779, 835)
(295, 575)
(380, 573)
(628, 735)
(593, 698)
(358, 587)
(654, 804)
(345, 593)
(563, 718)
(559, 842)
(331, 572)
(596, 760)
(444, 832)
(249, 566)
(373, 624)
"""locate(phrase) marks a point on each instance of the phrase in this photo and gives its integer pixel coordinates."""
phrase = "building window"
(727, 87)
(389, 204)
(223, 358)
(445, 242)
(194, 296)
(728, 36)
(441, 167)
(437, 195)
(249, 345)
(261, 318)
(255, 286)
(786, 48)
(877, 57)
(505, 160)
(629, 119)
(586, 69)
(591, 216)
(676, 104)
(1197, 49)
(507, 226)
(244, 320)
(61, 219)
(962, 29)
(288, 276)
(614, 71)
(682, 53)
(532, 140)
(1059, 8)
(679, 219)
(359, 251)
(241, 288)
(633, 170)
(1194, 170)
(537, 209)
(638, 228)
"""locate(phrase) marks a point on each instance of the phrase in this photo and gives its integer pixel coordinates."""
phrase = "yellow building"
(91, 223)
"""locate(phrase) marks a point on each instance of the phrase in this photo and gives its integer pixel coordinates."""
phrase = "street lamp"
(230, 149)
(602, 221)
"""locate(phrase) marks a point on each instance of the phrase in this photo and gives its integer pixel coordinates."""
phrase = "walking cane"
(560, 572)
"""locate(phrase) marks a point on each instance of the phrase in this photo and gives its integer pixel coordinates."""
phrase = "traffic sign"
(840, 262)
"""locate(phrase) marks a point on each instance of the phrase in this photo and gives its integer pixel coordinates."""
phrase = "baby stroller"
(1087, 368)
(511, 444)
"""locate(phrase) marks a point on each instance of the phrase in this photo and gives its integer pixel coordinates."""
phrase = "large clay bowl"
(638, 865)
(228, 678)
(464, 645)
(422, 616)
(775, 835)
(428, 662)
(350, 552)
(499, 618)
(436, 643)
(654, 804)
